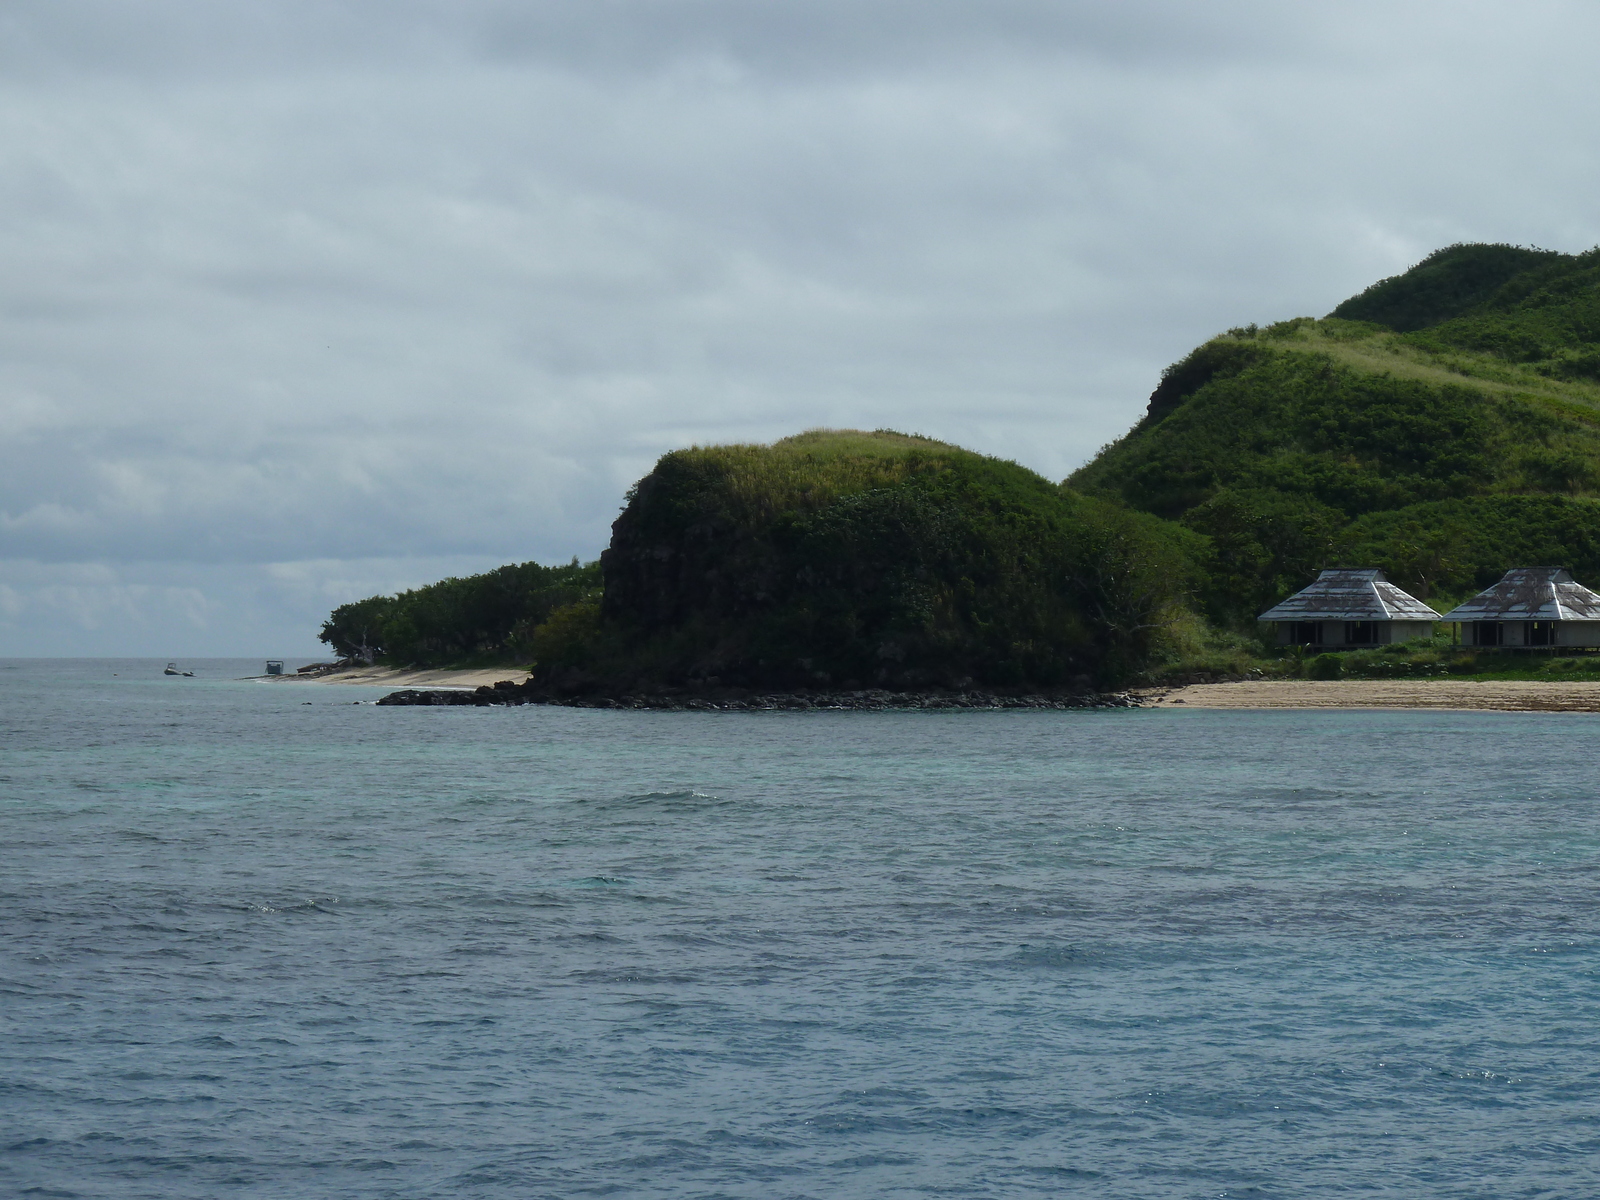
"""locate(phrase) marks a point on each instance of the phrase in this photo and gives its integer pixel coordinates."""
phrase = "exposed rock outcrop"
(507, 693)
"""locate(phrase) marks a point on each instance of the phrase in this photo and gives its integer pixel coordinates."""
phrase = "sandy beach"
(1502, 696)
(1507, 696)
(391, 677)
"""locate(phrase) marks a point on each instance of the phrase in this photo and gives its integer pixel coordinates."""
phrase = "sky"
(309, 300)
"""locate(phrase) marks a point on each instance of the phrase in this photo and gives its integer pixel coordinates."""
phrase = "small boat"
(172, 669)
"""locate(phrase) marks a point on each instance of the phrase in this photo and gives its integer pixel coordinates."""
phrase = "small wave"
(139, 835)
(1048, 957)
(321, 904)
(635, 975)
(683, 801)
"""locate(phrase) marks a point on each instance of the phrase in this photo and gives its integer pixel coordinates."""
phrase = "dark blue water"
(255, 947)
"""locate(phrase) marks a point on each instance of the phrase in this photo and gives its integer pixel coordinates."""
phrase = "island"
(1442, 427)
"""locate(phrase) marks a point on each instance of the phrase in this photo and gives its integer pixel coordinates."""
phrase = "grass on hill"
(1460, 438)
(807, 471)
(1371, 349)
(840, 557)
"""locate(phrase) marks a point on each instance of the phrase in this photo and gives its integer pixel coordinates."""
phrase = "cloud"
(182, 608)
(425, 282)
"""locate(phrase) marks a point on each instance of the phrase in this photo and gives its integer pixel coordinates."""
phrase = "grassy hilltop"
(1443, 425)
(835, 558)
(876, 559)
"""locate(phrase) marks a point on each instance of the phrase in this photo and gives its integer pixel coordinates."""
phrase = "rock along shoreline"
(507, 693)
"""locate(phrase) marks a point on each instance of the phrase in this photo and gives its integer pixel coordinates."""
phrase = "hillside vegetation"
(1444, 425)
(488, 618)
(849, 558)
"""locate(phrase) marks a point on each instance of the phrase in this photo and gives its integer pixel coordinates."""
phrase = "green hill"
(1413, 429)
(840, 558)
(1443, 425)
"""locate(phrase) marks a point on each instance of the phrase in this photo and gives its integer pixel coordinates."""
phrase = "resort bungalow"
(1347, 609)
(1531, 606)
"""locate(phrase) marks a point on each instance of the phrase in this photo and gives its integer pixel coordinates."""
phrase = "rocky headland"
(508, 693)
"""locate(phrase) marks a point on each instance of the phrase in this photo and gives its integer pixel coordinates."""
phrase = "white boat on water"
(172, 669)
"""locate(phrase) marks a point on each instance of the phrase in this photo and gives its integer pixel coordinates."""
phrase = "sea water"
(259, 940)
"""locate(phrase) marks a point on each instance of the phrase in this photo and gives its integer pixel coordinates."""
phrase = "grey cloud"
(360, 284)
(810, 39)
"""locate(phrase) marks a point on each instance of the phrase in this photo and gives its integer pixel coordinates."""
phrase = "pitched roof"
(1346, 595)
(1531, 594)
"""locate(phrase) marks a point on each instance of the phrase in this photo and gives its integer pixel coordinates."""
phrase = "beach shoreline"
(1265, 694)
(1459, 694)
(395, 677)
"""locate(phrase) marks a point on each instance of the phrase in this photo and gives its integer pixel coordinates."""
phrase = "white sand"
(390, 677)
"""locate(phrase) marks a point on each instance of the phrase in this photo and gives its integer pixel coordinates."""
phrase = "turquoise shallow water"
(251, 946)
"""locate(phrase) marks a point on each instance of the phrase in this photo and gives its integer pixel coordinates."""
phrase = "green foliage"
(1325, 666)
(1299, 424)
(570, 638)
(1534, 316)
(1203, 653)
(1438, 658)
(1215, 360)
(1459, 547)
(852, 558)
(1445, 454)
(356, 630)
(1262, 545)
(489, 617)
(1444, 285)
(1419, 659)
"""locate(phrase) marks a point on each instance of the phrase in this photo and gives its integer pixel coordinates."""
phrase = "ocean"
(269, 940)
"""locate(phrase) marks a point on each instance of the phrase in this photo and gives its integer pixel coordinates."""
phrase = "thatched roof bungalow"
(1531, 606)
(1348, 609)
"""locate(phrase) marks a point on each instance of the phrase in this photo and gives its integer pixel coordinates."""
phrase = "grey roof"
(1531, 594)
(1344, 595)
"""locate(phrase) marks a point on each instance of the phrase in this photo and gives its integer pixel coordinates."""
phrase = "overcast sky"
(304, 300)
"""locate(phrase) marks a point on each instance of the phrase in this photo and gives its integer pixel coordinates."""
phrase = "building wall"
(1405, 631)
(1333, 633)
(1515, 634)
(1578, 633)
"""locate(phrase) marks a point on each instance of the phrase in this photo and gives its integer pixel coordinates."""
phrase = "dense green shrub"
(866, 559)
(1458, 547)
(1444, 285)
(488, 617)
(1298, 424)
(1325, 666)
